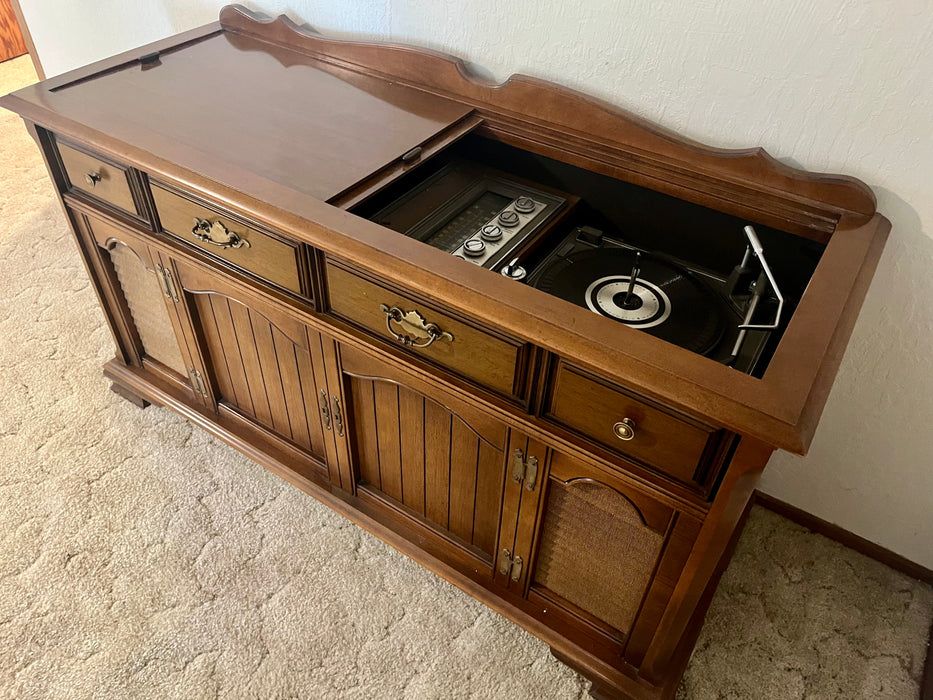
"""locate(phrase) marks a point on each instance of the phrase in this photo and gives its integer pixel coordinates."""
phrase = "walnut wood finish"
(435, 459)
(12, 43)
(489, 359)
(271, 258)
(676, 445)
(99, 179)
(489, 458)
(782, 408)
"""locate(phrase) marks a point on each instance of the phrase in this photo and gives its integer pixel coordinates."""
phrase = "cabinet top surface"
(251, 106)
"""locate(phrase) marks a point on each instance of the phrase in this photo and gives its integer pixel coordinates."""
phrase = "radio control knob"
(513, 270)
(474, 248)
(508, 218)
(491, 232)
(525, 205)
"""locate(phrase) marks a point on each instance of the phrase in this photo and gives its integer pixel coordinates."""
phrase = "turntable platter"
(665, 301)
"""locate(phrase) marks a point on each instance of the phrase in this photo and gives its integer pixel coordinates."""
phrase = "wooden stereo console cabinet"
(581, 477)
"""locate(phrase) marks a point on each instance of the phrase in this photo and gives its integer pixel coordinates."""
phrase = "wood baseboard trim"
(926, 683)
(843, 536)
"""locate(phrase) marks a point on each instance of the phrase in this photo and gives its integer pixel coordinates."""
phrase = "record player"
(665, 297)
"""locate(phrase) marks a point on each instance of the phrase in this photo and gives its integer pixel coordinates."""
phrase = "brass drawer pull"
(416, 332)
(624, 429)
(92, 179)
(217, 234)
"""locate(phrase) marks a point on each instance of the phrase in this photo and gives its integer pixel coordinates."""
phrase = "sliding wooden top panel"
(260, 108)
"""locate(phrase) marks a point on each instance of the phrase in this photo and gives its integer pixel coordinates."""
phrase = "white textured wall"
(835, 85)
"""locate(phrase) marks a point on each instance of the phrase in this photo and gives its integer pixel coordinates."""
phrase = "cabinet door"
(262, 366)
(137, 299)
(606, 559)
(427, 461)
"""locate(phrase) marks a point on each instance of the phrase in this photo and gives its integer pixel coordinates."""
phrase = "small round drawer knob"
(624, 429)
(92, 178)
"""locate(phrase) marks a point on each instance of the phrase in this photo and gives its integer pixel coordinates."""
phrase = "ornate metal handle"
(417, 333)
(217, 234)
(624, 429)
(325, 414)
(338, 416)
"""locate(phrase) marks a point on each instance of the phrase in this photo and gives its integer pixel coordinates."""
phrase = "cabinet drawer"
(269, 257)
(630, 426)
(479, 355)
(99, 178)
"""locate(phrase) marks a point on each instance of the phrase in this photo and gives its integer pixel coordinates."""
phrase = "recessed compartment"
(711, 282)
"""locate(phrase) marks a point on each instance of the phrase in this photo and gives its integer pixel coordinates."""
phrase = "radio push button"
(491, 232)
(508, 218)
(524, 205)
(474, 248)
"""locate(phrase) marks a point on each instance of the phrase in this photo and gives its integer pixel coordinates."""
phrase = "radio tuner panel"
(475, 213)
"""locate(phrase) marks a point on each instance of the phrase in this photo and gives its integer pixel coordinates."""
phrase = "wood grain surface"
(12, 43)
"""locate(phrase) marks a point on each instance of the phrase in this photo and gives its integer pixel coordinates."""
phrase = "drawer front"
(478, 355)
(273, 259)
(100, 179)
(630, 426)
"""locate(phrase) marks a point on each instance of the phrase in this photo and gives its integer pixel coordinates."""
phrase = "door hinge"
(524, 469)
(197, 381)
(510, 566)
(168, 283)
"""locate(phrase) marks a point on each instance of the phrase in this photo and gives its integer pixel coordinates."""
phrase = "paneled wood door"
(425, 458)
(137, 296)
(261, 364)
(606, 559)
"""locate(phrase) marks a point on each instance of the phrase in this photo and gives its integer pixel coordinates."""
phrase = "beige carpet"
(141, 558)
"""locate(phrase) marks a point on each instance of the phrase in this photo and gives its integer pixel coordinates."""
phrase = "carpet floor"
(142, 558)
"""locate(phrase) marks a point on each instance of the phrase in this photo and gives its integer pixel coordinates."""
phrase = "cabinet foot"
(129, 395)
(599, 690)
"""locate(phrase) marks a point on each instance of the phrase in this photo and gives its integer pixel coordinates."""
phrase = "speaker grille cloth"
(595, 552)
(144, 297)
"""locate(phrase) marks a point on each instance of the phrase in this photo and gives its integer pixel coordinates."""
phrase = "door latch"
(524, 469)
(325, 413)
(168, 283)
(338, 416)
